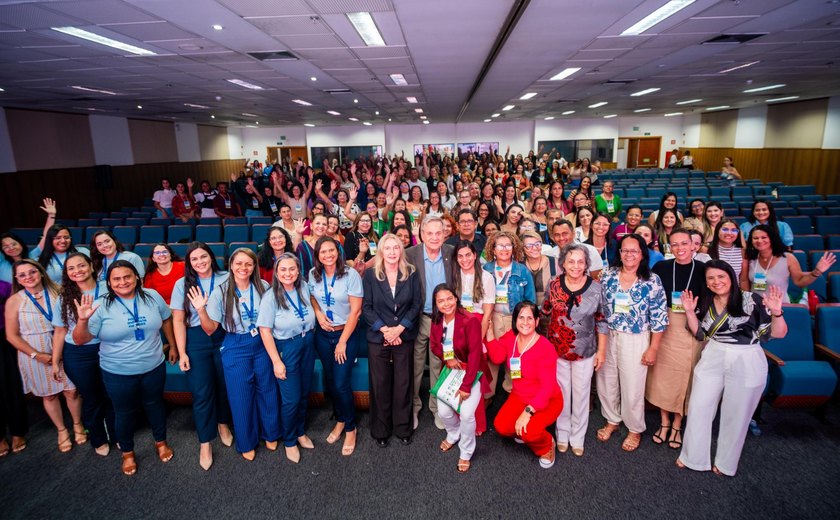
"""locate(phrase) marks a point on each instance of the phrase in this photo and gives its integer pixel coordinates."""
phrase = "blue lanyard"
(105, 265)
(135, 315)
(48, 314)
(328, 299)
(251, 313)
(212, 283)
(298, 308)
(59, 262)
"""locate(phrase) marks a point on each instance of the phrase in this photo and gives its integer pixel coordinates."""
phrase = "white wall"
(186, 138)
(235, 147)
(668, 128)
(752, 125)
(519, 135)
(7, 156)
(691, 131)
(111, 140)
(831, 137)
(258, 139)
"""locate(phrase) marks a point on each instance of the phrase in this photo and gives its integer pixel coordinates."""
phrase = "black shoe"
(405, 440)
(382, 443)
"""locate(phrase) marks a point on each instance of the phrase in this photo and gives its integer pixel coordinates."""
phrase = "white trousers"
(575, 380)
(461, 429)
(621, 381)
(733, 376)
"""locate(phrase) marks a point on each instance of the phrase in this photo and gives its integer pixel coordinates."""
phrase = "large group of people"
(483, 267)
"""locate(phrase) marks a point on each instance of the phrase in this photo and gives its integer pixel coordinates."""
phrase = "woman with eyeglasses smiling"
(539, 265)
(634, 304)
(163, 269)
(728, 246)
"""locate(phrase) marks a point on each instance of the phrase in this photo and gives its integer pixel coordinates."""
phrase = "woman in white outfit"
(732, 370)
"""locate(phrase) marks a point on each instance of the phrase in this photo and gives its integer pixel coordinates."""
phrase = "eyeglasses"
(630, 252)
(160, 253)
(504, 247)
(533, 245)
(21, 276)
(727, 230)
(468, 221)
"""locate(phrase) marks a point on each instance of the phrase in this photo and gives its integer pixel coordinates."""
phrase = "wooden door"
(292, 153)
(648, 152)
(632, 152)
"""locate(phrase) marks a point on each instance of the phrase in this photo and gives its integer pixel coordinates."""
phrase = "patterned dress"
(575, 318)
(37, 331)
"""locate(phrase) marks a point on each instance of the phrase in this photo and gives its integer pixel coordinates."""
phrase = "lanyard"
(328, 299)
(298, 308)
(248, 312)
(48, 314)
(674, 276)
(105, 265)
(59, 262)
(212, 283)
(533, 340)
(135, 315)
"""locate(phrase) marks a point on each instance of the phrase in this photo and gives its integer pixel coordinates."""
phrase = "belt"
(427, 314)
(337, 328)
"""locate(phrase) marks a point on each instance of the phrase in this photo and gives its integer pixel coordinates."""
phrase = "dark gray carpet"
(791, 471)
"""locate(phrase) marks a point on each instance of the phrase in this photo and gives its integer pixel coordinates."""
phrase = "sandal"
(716, 471)
(64, 442)
(18, 444)
(676, 439)
(4, 448)
(661, 434)
(631, 442)
(80, 433)
(446, 446)
(129, 465)
(606, 432)
(463, 466)
(680, 464)
(164, 451)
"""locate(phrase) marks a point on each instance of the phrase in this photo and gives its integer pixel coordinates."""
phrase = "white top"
(164, 197)
(488, 283)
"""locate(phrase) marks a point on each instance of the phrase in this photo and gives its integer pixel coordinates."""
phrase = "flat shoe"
(332, 438)
(18, 444)
(547, 460)
(249, 455)
(578, 452)
(164, 451)
(631, 442)
(680, 464)
(463, 466)
(349, 445)
(80, 433)
(129, 465)
(4, 448)
(606, 432)
(562, 447)
(64, 442)
(382, 443)
(103, 450)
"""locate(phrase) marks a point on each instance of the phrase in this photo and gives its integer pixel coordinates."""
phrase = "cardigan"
(466, 342)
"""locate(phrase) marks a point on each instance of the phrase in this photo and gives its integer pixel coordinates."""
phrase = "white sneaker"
(546, 463)
(517, 440)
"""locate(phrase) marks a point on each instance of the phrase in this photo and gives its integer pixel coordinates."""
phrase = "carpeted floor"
(791, 471)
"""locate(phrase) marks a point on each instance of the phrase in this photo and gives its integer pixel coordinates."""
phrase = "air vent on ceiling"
(732, 39)
(619, 81)
(337, 91)
(567, 100)
(273, 55)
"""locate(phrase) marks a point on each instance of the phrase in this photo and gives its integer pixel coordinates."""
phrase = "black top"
(351, 246)
(668, 273)
(751, 329)
(479, 241)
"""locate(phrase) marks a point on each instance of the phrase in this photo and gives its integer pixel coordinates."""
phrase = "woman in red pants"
(536, 400)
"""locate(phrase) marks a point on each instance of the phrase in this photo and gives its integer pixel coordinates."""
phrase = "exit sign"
(635, 128)
(647, 133)
(282, 137)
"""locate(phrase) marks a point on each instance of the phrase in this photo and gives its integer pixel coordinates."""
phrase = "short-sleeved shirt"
(100, 290)
(647, 304)
(750, 329)
(164, 197)
(208, 285)
(685, 278)
(248, 309)
(488, 285)
(340, 290)
(120, 352)
(287, 323)
(128, 256)
(55, 267)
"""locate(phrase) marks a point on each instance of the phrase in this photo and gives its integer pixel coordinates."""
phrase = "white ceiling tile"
(290, 25)
(102, 12)
(350, 6)
(248, 8)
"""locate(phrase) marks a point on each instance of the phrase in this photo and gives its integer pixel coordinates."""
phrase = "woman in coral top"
(163, 270)
(536, 400)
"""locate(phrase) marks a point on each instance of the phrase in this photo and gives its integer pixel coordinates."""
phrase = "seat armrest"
(827, 352)
(776, 360)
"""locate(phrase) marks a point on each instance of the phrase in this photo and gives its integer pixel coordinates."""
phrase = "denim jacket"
(520, 284)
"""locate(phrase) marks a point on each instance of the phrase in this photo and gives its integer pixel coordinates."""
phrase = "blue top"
(654, 256)
(647, 309)
(783, 227)
(287, 323)
(6, 266)
(208, 285)
(128, 256)
(120, 352)
(249, 306)
(55, 269)
(435, 275)
(520, 284)
(100, 290)
(340, 290)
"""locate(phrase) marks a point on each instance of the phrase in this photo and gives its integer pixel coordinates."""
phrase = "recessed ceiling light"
(355, 101)
(487, 120)
(529, 95)
(666, 11)
(139, 107)
(333, 113)
(245, 84)
(422, 117)
(389, 119)
(256, 122)
(411, 99)
(246, 114)
(610, 116)
(496, 115)
(98, 91)
(565, 73)
(720, 107)
(642, 110)
(425, 122)
(2, 90)
(217, 27)
(398, 79)
(689, 101)
(377, 112)
(598, 104)
(549, 118)
(418, 110)
(212, 117)
(762, 89)
(366, 27)
(744, 66)
(302, 102)
(674, 114)
(313, 78)
(310, 125)
(191, 105)
(352, 119)
(507, 107)
(102, 40)
(645, 91)
(567, 112)
(786, 98)
(367, 123)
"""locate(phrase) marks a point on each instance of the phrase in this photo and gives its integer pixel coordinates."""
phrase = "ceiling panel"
(290, 25)
(101, 12)
(248, 8)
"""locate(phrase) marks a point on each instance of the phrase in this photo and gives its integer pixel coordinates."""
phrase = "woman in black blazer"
(392, 304)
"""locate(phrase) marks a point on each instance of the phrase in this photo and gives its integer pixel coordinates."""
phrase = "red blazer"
(538, 384)
(468, 348)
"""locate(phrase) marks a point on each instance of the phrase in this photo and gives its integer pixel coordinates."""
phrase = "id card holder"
(253, 331)
(227, 204)
(610, 207)
(542, 178)
(621, 305)
(297, 208)
(448, 353)
(467, 302)
(329, 315)
(760, 282)
(515, 368)
(187, 204)
(501, 293)
(139, 334)
(676, 302)
(255, 203)
(372, 247)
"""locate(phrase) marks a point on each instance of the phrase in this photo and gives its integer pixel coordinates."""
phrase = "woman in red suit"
(536, 400)
(455, 337)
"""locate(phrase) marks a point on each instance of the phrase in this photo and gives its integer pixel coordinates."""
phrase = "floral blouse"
(576, 318)
(647, 307)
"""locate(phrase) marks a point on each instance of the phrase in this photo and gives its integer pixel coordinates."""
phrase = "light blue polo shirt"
(55, 268)
(216, 307)
(119, 350)
(128, 256)
(57, 321)
(435, 275)
(209, 285)
(287, 323)
(340, 290)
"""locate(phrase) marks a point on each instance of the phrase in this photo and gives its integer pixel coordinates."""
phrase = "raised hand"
(773, 299)
(190, 183)
(826, 262)
(353, 193)
(233, 177)
(198, 299)
(415, 228)
(334, 185)
(85, 307)
(49, 207)
(299, 226)
(353, 169)
(689, 301)
(319, 184)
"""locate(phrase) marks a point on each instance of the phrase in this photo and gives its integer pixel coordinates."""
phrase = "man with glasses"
(467, 221)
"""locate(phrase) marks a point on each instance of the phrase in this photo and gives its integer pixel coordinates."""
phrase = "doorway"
(286, 154)
(643, 152)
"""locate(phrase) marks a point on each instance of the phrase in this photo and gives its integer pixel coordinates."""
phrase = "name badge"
(187, 204)
(515, 368)
(760, 282)
(676, 302)
(139, 334)
(273, 207)
(298, 208)
(253, 331)
(501, 293)
(541, 227)
(448, 350)
(610, 206)
(255, 203)
(227, 204)
(467, 302)
(669, 255)
(372, 247)
(621, 305)
(542, 178)
(415, 213)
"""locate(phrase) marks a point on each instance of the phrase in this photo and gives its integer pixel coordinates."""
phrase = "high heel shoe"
(103, 450)
(205, 460)
(225, 435)
(293, 454)
(249, 455)
(129, 465)
(349, 444)
(271, 445)
(64, 442)
(80, 433)
(305, 442)
(164, 451)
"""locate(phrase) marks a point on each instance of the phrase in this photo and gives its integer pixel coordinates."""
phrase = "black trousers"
(13, 416)
(391, 382)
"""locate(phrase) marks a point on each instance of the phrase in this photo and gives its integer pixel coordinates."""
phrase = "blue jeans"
(129, 393)
(338, 375)
(207, 382)
(298, 354)
(252, 390)
(81, 364)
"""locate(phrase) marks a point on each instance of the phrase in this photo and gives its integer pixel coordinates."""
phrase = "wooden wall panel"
(213, 142)
(152, 141)
(796, 125)
(789, 165)
(47, 139)
(717, 129)
(76, 194)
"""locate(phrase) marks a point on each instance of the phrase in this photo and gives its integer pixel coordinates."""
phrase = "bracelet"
(815, 275)
(782, 313)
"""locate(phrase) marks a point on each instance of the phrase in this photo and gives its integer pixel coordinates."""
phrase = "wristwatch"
(530, 410)
(33, 355)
